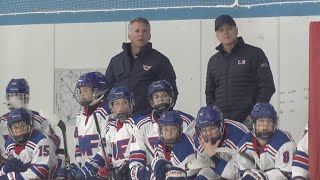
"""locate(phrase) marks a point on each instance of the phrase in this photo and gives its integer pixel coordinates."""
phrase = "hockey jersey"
(39, 123)
(182, 152)
(300, 165)
(274, 158)
(118, 139)
(38, 156)
(147, 134)
(226, 165)
(86, 135)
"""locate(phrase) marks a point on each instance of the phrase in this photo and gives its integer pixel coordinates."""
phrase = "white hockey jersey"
(118, 139)
(274, 159)
(39, 123)
(85, 134)
(38, 156)
(225, 167)
(300, 165)
(182, 152)
(148, 133)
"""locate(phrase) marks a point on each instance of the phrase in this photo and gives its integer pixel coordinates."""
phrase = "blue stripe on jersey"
(301, 153)
(300, 159)
(298, 164)
(182, 153)
(186, 117)
(101, 114)
(220, 166)
(141, 122)
(279, 138)
(131, 122)
(136, 118)
(138, 155)
(40, 170)
(37, 136)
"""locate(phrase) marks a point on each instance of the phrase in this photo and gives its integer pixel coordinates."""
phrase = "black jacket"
(238, 80)
(150, 66)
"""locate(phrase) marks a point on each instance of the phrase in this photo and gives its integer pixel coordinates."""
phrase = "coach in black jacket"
(138, 65)
(239, 75)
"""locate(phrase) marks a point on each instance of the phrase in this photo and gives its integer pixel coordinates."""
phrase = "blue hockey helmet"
(97, 82)
(15, 117)
(170, 118)
(17, 93)
(212, 117)
(119, 93)
(264, 110)
(158, 86)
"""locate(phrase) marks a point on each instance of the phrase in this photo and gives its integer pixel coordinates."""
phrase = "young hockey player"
(266, 152)
(213, 131)
(174, 149)
(31, 155)
(161, 98)
(18, 95)
(118, 138)
(90, 90)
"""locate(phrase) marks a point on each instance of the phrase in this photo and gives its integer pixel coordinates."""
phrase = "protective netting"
(13, 7)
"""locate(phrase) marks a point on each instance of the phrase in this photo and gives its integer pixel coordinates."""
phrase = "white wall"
(34, 51)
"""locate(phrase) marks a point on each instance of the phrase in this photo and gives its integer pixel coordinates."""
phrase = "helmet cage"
(124, 115)
(264, 135)
(264, 110)
(17, 100)
(170, 118)
(212, 139)
(160, 86)
(207, 117)
(21, 116)
(170, 141)
(97, 82)
(119, 93)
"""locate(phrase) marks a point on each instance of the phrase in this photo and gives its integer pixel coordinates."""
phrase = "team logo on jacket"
(241, 61)
(146, 67)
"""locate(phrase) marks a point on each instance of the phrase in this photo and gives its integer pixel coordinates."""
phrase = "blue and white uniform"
(118, 139)
(85, 135)
(37, 154)
(226, 165)
(148, 133)
(182, 152)
(274, 159)
(39, 123)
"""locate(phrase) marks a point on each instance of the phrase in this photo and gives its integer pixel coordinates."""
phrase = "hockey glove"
(64, 173)
(123, 172)
(11, 175)
(254, 174)
(140, 172)
(176, 173)
(14, 165)
(160, 167)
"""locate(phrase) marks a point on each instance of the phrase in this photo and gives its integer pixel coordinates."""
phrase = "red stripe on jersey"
(301, 159)
(138, 156)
